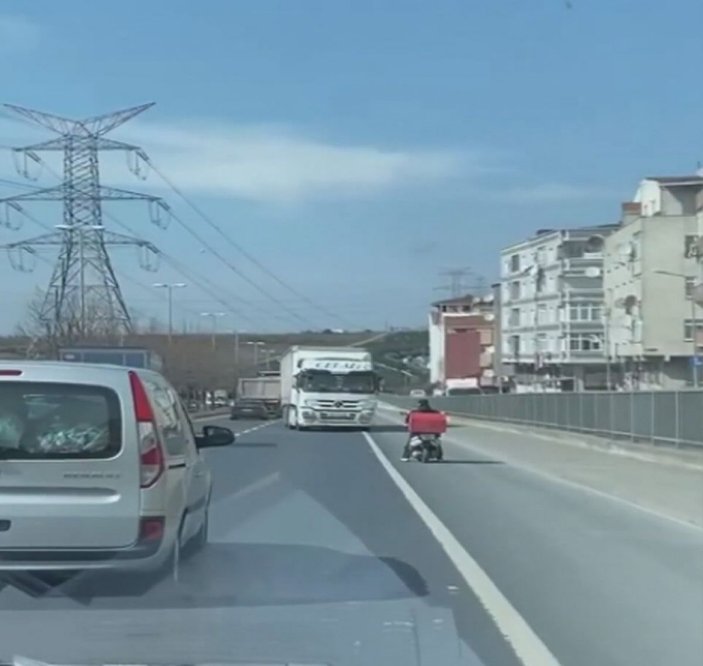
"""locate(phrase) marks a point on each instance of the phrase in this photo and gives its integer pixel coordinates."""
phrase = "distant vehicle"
(106, 470)
(418, 393)
(131, 357)
(258, 397)
(328, 387)
(249, 409)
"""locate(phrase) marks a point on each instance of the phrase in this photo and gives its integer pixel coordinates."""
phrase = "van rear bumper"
(138, 558)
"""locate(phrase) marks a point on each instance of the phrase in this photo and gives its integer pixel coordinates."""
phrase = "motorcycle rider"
(422, 406)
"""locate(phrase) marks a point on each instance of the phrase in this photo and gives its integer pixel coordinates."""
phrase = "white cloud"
(552, 193)
(18, 34)
(272, 164)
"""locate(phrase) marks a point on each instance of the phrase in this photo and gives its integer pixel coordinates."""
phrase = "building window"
(585, 342)
(515, 345)
(541, 342)
(514, 290)
(690, 287)
(690, 248)
(688, 329)
(541, 256)
(514, 319)
(589, 312)
(515, 263)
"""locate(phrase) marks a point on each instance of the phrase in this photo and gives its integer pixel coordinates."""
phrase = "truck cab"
(328, 388)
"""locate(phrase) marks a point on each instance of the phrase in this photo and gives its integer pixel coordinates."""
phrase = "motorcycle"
(426, 448)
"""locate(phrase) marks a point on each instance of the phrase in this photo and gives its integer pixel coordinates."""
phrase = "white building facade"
(652, 271)
(552, 320)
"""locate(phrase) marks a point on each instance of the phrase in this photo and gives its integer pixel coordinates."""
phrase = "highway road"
(324, 549)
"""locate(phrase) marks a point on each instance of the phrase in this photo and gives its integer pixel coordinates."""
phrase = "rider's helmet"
(424, 404)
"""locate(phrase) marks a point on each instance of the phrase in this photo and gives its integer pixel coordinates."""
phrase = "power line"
(162, 254)
(208, 246)
(210, 222)
(199, 280)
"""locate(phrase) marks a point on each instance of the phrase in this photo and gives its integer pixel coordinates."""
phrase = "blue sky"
(356, 148)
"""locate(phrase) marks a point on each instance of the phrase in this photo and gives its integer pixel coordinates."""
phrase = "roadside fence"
(660, 417)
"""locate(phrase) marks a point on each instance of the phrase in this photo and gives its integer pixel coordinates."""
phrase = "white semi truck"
(328, 387)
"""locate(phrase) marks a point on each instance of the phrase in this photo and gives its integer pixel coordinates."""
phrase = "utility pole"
(213, 316)
(236, 351)
(83, 289)
(170, 288)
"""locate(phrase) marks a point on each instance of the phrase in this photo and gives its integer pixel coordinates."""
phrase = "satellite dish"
(625, 251)
(595, 244)
(593, 271)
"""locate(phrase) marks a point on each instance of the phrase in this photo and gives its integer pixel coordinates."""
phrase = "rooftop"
(694, 179)
(466, 299)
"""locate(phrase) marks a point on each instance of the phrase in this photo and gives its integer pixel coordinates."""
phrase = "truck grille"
(337, 404)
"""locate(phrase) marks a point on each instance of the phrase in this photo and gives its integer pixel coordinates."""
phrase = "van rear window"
(47, 421)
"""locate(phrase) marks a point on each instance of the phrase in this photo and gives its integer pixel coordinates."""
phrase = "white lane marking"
(528, 646)
(255, 428)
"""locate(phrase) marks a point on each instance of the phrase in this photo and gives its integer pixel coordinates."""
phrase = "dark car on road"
(249, 409)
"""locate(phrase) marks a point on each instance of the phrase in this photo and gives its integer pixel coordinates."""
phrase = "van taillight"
(151, 529)
(10, 373)
(151, 456)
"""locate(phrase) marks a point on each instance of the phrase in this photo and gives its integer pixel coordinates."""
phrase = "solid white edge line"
(527, 645)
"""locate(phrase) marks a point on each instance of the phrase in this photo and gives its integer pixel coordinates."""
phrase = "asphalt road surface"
(324, 552)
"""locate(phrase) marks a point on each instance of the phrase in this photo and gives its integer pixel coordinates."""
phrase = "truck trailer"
(328, 387)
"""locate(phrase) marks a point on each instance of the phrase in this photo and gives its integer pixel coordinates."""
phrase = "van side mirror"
(214, 436)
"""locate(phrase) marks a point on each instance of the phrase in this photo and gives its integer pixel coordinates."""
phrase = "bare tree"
(44, 340)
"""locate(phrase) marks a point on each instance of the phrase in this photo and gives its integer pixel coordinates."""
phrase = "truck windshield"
(327, 382)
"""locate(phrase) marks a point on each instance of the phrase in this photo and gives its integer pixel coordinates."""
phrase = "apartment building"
(552, 326)
(652, 271)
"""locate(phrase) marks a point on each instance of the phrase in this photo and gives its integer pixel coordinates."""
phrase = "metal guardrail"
(661, 417)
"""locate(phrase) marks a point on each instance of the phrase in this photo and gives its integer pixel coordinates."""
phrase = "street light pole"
(170, 288)
(256, 344)
(214, 317)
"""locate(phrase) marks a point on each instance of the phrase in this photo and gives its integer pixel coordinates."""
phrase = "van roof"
(60, 365)
(41, 370)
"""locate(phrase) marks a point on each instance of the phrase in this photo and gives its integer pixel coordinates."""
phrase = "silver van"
(100, 468)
